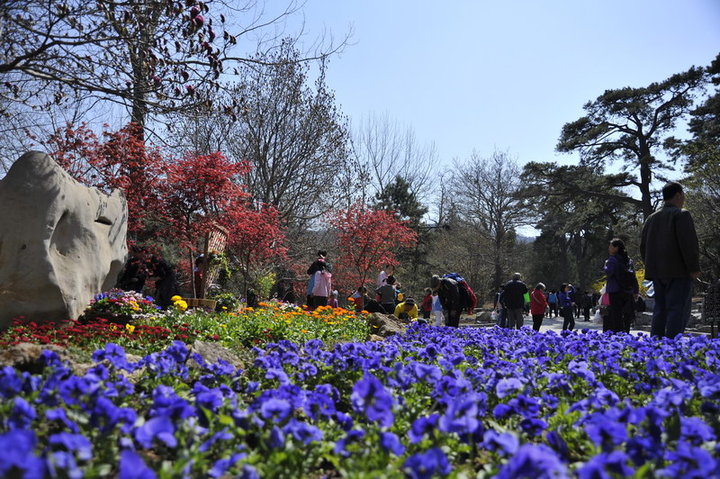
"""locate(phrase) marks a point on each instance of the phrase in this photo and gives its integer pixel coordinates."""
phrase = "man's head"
(409, 303)
(673, 193)
(390, 280)
(435, 281)
(516, 276)
(322, 253)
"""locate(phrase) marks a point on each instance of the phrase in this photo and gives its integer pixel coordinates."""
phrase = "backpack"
(468, 298)
(626, 275)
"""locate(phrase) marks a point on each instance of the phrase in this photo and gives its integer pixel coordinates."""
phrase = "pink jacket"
(323, 284)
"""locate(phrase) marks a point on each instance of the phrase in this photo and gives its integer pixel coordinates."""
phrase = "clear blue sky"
(507, 74)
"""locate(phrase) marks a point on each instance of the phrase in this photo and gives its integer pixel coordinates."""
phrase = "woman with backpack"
(621, 286)
(565, 301)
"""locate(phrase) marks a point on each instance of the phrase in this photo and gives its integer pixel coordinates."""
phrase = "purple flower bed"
(431, 403)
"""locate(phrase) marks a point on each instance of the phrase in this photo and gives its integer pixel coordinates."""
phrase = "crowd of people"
(669, 249)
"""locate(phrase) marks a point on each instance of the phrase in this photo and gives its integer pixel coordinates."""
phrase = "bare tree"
(146, 55)
(289, 130)
(485, 194)
(386, 151)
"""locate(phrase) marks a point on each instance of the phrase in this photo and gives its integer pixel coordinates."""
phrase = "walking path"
(549, 324)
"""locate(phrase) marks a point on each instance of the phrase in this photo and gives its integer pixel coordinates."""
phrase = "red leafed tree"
(197, 192)
(116, 160)
(367, 238)
(257, 237)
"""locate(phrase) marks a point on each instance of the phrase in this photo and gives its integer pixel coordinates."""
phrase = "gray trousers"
(515, 318)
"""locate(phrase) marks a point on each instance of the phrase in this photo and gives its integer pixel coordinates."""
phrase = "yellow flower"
(130, 327)
(181, 305)
(175, 298)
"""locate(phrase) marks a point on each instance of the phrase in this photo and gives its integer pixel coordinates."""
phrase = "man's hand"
(695, 274)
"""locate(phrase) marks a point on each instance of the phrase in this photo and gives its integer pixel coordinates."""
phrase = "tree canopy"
(629, 125)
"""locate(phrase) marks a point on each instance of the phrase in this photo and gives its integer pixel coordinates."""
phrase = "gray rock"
(27, 356)
(484, 317)
(60, 244)
(385, 325)
(211, 352)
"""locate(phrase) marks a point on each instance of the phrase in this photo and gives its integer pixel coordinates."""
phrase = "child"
(437, 309)
(333, 300)
(359, 298)
(427, 303)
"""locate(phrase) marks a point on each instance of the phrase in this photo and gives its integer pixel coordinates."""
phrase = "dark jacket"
(612, 269)
(515, 294)
(669, 244)
(448, 294)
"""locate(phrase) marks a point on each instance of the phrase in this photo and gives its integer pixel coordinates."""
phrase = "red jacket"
(538, 302)
(427, 303)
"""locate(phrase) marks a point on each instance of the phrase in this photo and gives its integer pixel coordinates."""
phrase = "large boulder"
(60, 242)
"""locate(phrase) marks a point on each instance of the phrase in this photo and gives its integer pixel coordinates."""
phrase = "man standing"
(449, 296)
(669, 247)
(515, 301)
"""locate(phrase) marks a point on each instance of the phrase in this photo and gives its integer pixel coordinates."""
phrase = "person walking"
(622, 287)
(500, 307)
(587, 305)
(538, 305)
(514, 297)
(669, 247)
(567, 308)
(449, 296)
(552, 304)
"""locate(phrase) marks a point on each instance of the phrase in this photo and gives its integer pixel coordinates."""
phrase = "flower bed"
(433, 402)
(148, 333)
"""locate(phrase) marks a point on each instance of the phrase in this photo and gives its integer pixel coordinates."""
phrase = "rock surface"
(211, 352)
(385, 325)
(60, 242)
(28, 356)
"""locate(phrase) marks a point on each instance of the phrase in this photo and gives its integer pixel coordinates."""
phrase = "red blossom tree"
(116, 160)
(367, 238)
(257, 237)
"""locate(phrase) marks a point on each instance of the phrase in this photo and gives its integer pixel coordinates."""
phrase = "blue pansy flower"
(695, 430)
(370, 397)
(461, 416)
(160, 427)
(605, 431)
(132, 466)
(77, 443)
(223, 435)
(689, 461)
(221, 466)
(422, 426)
(606, 464)
(391, 443)
(426, 465)
(302, 431)
(276, 439)
(21, 415)
(17, 458)
(533, 460)
(507, 386)
(275, 409)
(501, 442)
